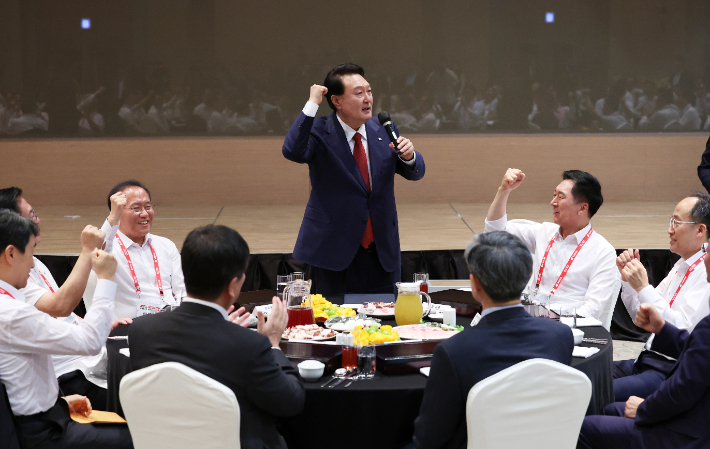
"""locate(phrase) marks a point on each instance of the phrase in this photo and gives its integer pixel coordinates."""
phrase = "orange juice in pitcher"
(408, 308)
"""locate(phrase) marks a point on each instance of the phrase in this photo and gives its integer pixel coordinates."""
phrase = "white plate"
(310, 339)
(438, 336)
(376, 314)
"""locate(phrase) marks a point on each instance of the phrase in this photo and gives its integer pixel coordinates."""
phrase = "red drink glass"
(349, 357)
(300, 315)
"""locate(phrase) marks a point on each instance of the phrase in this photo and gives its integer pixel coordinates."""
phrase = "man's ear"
(8, 256)
(235, 285)
(336, 101)
(475, 284)
(584, 208)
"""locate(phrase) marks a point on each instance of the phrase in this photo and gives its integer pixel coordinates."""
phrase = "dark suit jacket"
(336, 215)
(262, 378)
(682, 402)
(704, 167)
(500, 340)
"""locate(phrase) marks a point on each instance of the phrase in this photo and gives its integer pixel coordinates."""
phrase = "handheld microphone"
(386, 121)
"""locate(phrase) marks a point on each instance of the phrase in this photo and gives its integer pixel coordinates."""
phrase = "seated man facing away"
(589, 283)
(149, 274)
(198, 334)
(675, 415)
(28, 337)
(499, 266)
(678, 298)
(43, 292)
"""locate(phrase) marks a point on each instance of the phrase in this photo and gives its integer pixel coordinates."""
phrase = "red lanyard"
(685, 278)
(569, 262)
(46, 281)
(4, 292)
(133, 272)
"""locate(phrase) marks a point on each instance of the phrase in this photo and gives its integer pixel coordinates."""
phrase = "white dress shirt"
(683, 314)
(35, 289)
(28, 337)
(127, 300)
(310, 109)
(589, 282)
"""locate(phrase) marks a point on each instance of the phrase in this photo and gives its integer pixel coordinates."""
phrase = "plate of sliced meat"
(378, 309)
(311, 332)
(428, 331)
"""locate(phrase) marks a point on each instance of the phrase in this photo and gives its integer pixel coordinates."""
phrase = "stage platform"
(422, 227)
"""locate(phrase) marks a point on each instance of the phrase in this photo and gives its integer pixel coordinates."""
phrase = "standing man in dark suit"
(678, 413)
(704, 167)
(499, 264)
(199, 334)
(349, 232)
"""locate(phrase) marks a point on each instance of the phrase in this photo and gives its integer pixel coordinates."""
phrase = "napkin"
(97, 417)
(425, 370)
(583, 322)
(584, 352)
(125, 351)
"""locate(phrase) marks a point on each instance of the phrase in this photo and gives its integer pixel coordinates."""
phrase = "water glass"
(544, 308)
(424, 279)
(568, 316)
(366, 362)
(296, 276)
(281, 282)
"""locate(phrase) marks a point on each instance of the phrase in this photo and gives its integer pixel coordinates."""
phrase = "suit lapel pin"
(379, 138)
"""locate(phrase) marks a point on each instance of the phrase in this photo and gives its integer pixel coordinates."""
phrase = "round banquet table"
(382, 408)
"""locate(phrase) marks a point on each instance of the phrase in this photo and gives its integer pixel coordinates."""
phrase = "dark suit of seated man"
(675, 415)
(199, 334)
(500, 265)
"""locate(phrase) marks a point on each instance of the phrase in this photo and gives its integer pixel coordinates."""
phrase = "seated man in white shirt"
(689, 116)
(589, 283)
(43, 293)
(665, 114)
(28, 337)
(678, 297)
(149, 274)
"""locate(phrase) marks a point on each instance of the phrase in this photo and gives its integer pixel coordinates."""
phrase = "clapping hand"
(635, 274)
(624, 258)
(239, 317)
(275, 326)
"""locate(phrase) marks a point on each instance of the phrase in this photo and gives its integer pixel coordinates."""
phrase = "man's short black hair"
(8, 199)
(587, 189)
(15, 230)
(334, 80)
(120, 186)
(212, 256)
(700, 213)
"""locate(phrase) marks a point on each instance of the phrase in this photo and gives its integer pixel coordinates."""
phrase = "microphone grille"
(383, 117)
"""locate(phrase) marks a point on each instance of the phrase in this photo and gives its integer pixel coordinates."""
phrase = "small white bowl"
(311, 369)
(578, 336)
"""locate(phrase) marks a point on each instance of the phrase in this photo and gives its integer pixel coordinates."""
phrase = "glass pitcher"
(297, 295)
(408, 308)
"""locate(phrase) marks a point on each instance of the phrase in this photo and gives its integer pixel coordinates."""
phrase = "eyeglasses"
(33, 216)
(675, 223)
(137, 208)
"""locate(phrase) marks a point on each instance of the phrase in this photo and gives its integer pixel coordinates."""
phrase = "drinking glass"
(568, 316)
(366, 362)
(544, 307)
(281, 282)
(424, 279)
(296, 276)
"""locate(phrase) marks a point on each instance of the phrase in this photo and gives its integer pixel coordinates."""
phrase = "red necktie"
(361, 161)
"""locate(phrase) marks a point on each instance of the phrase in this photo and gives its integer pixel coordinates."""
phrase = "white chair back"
(172, 406)
(535, 404)
(608, 311)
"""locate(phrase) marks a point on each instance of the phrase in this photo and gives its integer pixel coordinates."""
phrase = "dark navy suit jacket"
(682, 402)
(500, 340)
(704, 167)
(337, 211)
(265, 383)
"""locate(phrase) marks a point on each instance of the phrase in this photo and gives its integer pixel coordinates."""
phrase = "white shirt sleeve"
(177, 281)
(310, 109)
(33, 292)
(525, 233)
(602, 279)
(110, 232)
(32, 331)
(682, 314)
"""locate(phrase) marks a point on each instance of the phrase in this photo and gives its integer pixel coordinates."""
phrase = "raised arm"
(63, 302)
(298, 145)
(511, 180)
